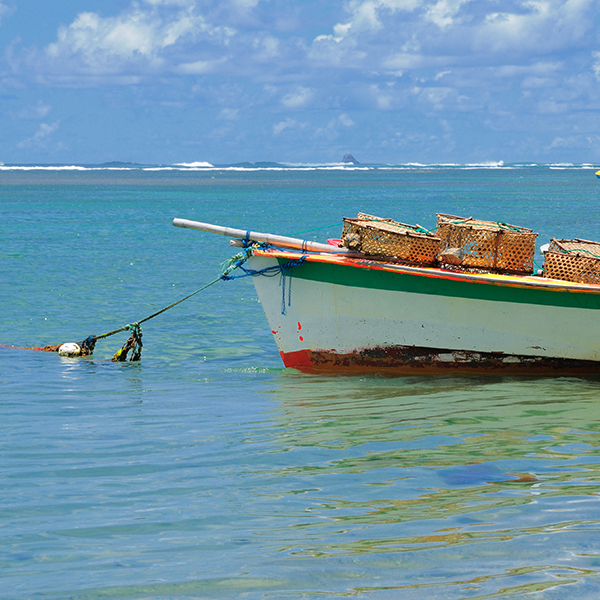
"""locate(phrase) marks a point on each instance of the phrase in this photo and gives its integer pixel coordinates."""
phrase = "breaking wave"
(204, 166)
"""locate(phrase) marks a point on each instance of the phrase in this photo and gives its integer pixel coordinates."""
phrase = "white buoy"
(69, 349)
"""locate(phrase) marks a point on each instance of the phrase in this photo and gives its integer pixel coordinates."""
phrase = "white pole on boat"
(267, 238)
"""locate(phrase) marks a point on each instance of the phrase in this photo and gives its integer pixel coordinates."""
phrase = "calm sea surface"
(209, 471)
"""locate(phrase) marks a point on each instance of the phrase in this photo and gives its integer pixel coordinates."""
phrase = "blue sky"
(392, 81)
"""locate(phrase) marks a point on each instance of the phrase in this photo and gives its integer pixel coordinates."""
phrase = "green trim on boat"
(493, 291)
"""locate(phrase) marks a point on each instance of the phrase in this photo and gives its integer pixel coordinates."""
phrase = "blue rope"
(267, 271)
(284, 270)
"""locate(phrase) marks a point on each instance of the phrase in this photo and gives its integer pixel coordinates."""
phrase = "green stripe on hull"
(493, 291)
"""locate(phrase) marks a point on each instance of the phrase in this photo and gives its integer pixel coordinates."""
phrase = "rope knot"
(134, 343)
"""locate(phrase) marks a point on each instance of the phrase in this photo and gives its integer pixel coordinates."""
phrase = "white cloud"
(199, 67)
(412, 34)
(184, 3)
(229, 114)
(287, 124)
(502, 62)
(443, 13)
(404, 61)
(266, 47)
(40, 138)
(244, 5)
(538, 69)
(538, 82)
(140, 35)
(5, 10)
(575, 141)
(440, 97)
(38, 111)
(334, 128)
(366, 16)
(299, 98)
(596, 65)
(345, 120)
(551, 107)
(383, 99)
(539, 25)
(339, 33)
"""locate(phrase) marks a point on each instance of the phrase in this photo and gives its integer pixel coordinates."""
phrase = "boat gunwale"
(368, 263)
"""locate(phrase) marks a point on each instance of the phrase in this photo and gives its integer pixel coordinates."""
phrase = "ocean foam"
(202, 166)
(194, 165)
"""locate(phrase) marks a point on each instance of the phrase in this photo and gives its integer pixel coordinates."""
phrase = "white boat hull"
(335, 313)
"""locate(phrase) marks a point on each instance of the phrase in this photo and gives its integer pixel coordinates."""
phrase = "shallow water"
(208, 470)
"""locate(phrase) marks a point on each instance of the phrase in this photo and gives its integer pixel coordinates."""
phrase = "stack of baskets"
(375, 236)
(497, 247)
(573, 260)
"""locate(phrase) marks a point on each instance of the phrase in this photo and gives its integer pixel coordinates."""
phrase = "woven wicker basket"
(385, 237)
(487, 245)
(573, 260)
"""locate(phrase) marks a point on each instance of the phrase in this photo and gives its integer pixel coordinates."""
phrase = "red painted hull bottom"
(409, 360)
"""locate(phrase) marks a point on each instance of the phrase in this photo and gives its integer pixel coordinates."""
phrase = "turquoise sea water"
(209, 471)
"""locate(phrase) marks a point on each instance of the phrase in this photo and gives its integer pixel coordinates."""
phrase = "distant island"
(347, 159)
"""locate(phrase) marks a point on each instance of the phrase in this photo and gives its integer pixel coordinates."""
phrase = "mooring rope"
(134, 342)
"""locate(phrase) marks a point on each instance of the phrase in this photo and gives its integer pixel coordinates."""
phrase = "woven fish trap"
(375, 236)
(494, 246)
(576, 260)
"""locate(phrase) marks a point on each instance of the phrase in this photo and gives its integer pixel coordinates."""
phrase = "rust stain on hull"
(411, 360)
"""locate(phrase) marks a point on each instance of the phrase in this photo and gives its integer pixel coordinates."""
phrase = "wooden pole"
(267, 238)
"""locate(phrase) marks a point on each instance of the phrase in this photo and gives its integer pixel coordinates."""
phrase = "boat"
(334, 311)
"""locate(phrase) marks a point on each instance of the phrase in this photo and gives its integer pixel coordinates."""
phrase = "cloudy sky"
(392, 81)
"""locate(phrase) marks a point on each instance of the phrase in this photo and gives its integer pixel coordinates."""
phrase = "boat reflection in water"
(478, 483)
